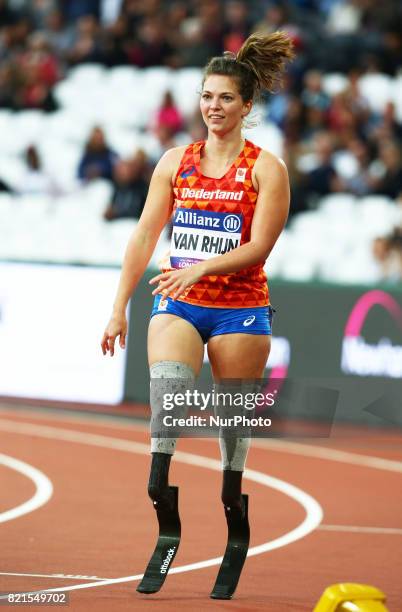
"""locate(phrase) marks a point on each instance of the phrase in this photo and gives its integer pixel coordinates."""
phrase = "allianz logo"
(167, 560)
(231, 222)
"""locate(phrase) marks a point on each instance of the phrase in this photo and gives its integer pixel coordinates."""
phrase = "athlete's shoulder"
(268, 165)
(169, 163)
(267, 160)
(173, 155)
(172, 159)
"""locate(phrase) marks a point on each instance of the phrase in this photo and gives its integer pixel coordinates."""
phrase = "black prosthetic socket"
(158, 485)
(231, 489)
(236, 547)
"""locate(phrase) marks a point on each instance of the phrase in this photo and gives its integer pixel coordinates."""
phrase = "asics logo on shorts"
(248, 321)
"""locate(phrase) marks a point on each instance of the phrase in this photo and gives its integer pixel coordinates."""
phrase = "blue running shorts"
(211, 322)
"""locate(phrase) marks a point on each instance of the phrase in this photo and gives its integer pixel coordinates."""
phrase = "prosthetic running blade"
(235, 553)
(166, 546)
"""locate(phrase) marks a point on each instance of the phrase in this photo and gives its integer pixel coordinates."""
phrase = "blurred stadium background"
(92, 92)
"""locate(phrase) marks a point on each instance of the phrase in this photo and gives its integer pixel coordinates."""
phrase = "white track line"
(332, 454)
(312, 508)
(361, 529)
(44, 488)
(64, 576)
(294, 448)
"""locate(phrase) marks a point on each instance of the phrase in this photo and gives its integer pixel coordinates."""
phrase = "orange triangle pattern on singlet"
(242, 289)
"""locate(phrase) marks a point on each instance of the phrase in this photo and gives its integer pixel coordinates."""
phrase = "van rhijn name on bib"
(201, 234)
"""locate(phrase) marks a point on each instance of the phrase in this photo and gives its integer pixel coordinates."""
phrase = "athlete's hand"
(117, 326)
(175, 282)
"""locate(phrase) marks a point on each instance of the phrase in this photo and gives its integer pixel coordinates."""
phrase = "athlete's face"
(221, 104)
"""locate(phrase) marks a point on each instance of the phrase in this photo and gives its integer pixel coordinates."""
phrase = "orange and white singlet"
(210, 217)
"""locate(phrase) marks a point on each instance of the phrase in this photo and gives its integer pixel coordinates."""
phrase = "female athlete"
(229, 201)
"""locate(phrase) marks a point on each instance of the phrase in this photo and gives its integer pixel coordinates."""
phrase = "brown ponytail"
(266, 56)
(258, 65)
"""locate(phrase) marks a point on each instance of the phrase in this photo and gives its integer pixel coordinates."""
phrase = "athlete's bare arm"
(156, 213)
(270, 215)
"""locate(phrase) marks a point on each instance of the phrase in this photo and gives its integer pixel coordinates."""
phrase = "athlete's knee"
(168, 378)
(234, 452)
(171, 369)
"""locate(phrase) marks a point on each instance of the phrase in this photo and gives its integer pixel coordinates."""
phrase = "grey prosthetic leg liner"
(167, 377)
(234, 452)
(234, 442)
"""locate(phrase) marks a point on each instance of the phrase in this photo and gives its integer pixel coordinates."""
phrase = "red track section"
(99, 521)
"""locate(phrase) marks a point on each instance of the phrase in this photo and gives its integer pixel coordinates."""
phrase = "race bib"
(201, 234)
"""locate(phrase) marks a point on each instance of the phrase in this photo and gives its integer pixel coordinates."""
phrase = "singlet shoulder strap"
(250, 152)
(192, 152)
(196, 150)
(190, 158)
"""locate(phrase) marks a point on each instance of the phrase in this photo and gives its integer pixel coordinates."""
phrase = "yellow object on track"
(350, 597)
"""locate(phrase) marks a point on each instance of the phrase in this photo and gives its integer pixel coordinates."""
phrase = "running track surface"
(98, 523)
